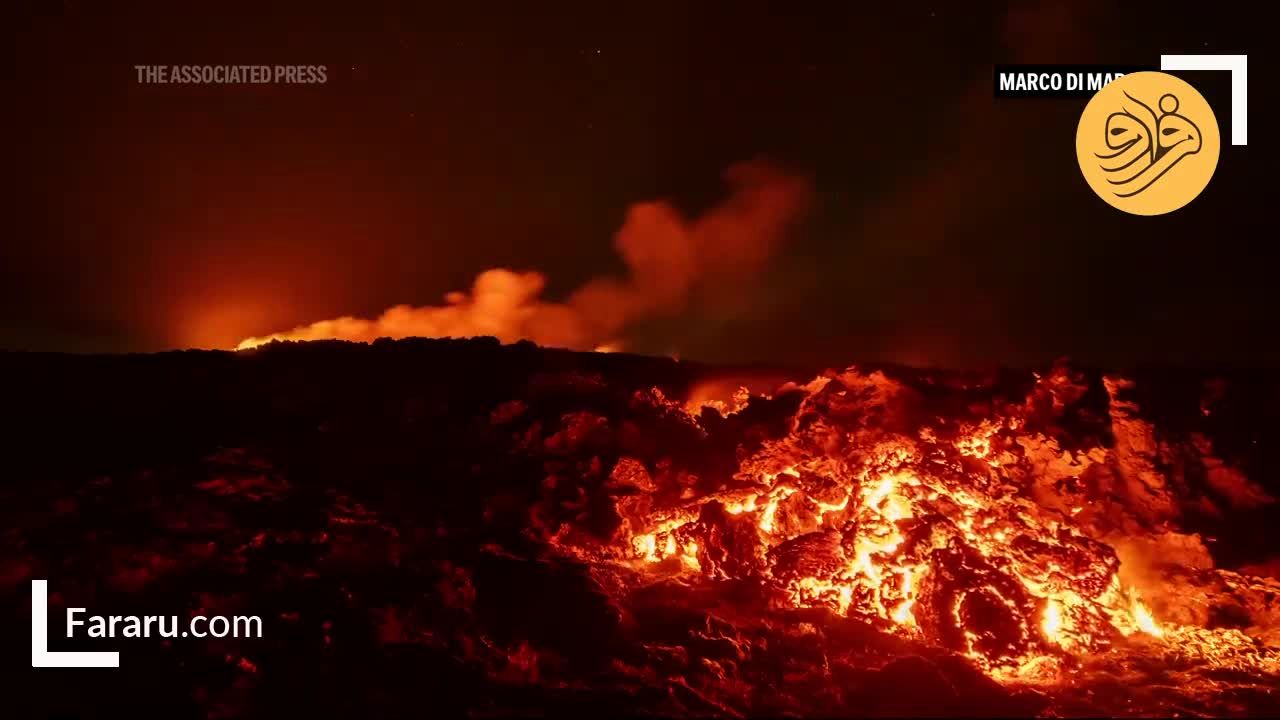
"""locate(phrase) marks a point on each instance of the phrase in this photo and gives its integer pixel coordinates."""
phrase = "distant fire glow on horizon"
(670, 259)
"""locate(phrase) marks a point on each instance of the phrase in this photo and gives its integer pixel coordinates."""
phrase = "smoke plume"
(668, 258)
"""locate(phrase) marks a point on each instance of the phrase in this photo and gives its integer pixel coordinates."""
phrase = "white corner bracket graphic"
(40, 655)
(1238, 66)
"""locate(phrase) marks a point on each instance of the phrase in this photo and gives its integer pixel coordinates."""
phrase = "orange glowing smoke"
(668, 257)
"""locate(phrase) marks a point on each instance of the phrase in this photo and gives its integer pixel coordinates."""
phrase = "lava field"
(459, 527)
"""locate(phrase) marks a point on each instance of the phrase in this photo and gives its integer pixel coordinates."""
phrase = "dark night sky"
(948, 227)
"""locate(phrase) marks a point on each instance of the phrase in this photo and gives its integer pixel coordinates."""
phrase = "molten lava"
(512, 531)
(976, 535)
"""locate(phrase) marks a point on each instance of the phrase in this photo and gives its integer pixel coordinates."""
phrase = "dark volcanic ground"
(372, 505)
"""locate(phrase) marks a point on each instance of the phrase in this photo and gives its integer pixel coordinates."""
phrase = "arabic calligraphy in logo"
(1147, 143)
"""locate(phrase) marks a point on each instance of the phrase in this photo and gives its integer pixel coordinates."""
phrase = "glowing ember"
(1146, 623)
(1052, 620)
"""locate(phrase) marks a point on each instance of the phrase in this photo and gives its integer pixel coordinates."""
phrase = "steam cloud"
(668, 257)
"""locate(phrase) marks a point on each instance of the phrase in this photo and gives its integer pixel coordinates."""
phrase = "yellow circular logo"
(1147, 143)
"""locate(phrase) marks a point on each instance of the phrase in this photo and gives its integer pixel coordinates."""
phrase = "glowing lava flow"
(944, 533)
